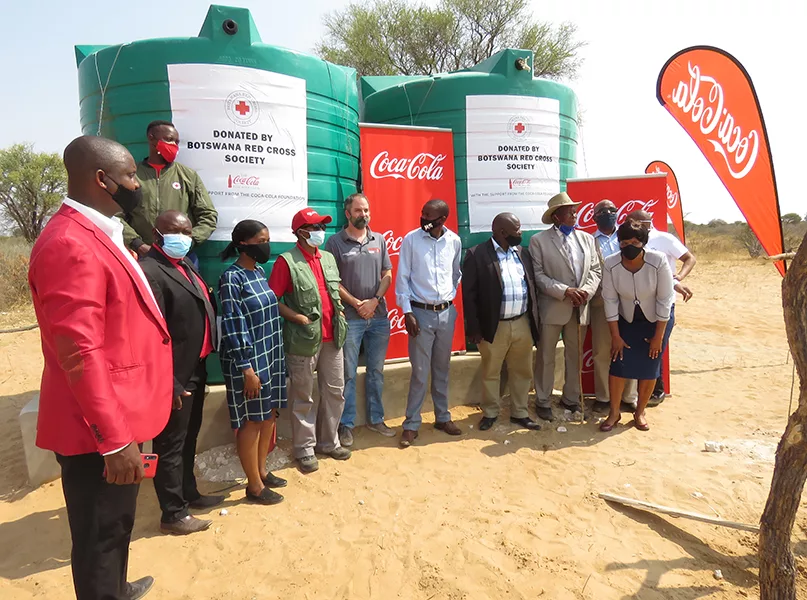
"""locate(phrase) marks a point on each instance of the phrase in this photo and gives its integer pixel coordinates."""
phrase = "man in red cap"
(307, 280)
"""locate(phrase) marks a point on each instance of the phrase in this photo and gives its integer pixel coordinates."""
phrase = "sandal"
(605, 427)
(267, 497)
(638, 426)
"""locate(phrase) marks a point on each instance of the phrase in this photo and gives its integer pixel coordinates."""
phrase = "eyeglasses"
(314, 227)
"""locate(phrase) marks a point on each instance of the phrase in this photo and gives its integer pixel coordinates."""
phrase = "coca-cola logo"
(397, 322)
(707, 109)
(393, 243)
(585, 215)
(588, 361)
(421, 166)
(243, 180)
(672, 197)
(520, 183)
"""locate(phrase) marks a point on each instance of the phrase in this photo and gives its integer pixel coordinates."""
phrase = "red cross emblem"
(242, 108)
(519, 127)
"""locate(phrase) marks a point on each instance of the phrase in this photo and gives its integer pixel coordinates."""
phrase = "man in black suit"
(499, 302)
(185, 301)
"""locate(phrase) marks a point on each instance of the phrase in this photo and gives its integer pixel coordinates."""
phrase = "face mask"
(127, 199)
(514, 240)
(167, 151)
(176, 245)
(360, 222)
(427, 225)
(566, 229)
(260, 253)
(316, 238)
(605, 221)
(631, 252)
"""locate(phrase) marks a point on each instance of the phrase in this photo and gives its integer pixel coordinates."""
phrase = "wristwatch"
(379, 298)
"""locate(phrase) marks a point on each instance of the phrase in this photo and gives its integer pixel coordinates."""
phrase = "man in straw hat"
(567, 274)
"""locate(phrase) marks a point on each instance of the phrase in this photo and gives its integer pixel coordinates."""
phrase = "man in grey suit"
(568, 271)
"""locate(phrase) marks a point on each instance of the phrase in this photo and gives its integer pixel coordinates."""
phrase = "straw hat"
(555, 202)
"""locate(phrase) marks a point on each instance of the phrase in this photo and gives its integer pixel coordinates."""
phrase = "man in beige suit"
(567, 274)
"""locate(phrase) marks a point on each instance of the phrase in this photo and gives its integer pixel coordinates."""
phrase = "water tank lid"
(85, 50)
(504, 63)
(228, 24)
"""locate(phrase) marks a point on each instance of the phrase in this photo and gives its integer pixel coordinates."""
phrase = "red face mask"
(167, 151)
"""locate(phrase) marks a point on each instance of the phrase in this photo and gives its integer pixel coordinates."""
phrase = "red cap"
(308, 216)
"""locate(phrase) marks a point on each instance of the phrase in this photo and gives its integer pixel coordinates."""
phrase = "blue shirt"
(428, 268)
(609, 244)
(514, 284)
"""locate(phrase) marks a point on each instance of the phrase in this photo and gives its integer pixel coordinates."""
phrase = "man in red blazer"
(108, 380)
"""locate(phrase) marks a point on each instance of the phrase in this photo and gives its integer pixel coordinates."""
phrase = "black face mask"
(427, 225)
(605, 221)
(514, 240)
(127, 199)
(258, 252)
(631, 252)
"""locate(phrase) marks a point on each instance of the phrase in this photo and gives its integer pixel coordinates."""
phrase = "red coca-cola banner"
(712, 97)
(674, 208)
(639, 192)
(402, 169)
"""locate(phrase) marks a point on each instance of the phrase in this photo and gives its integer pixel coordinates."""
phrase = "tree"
(777, 570)
(32, 185)
(791, 218)
(393, 37)
(749, 239)
(716, 223)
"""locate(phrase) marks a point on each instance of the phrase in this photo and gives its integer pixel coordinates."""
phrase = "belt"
(513, 318)
(432, 307)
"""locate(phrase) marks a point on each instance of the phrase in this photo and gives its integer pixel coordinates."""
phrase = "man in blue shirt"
(428, 276)
(605, 213)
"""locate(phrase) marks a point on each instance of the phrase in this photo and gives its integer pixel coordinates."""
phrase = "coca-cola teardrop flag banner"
(674, 209)
(712, 97)
(402, 169)
(640, 192)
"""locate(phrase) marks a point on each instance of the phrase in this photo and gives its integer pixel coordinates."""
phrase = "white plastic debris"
(697, 495)
(627, 485)
(470, 426)
(224, 512)
(712, 446)
(361, 502)
(506, 442)
(562, 429)
(718, 574)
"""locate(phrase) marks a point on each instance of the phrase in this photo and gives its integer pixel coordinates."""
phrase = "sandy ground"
(476, 517)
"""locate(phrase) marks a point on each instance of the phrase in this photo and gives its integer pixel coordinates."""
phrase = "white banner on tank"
(513, 158)
(244, 131)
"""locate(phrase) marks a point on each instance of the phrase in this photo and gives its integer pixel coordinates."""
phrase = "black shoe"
(656, 399)
(138, 589)
(266, 496)
(203, 502)
(526, 423)
(486, 423)
(273, 481)
(571, 407)
(627, 407)
(602, 407)
(544, 414)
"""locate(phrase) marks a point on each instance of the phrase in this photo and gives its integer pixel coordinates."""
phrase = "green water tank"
(122, 88)
(507, 110)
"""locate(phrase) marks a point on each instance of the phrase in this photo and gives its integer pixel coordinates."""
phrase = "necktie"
(211, 316)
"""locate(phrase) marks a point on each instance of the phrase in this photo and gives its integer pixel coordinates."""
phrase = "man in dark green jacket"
(167, 185)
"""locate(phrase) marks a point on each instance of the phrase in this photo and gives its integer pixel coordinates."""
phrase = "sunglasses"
(315, 227)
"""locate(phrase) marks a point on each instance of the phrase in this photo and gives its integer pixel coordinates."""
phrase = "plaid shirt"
(514, 284)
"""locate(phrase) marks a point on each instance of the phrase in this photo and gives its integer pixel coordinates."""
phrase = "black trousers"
(658, 389)
(174, 481)
(101, 517)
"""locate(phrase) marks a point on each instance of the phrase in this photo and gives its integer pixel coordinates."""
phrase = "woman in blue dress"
(252, 358)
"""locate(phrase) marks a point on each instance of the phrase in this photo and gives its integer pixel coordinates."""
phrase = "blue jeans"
(375, 334)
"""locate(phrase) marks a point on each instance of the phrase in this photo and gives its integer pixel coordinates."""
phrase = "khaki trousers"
(314, 424)
(601, 355)
(545, 363)
(513, 345)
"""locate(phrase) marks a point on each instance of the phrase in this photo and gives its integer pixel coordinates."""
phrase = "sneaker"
(601, 407)
(339, 453)
(186, 526)
(380, 428)
(345, 436)
(656, 399)
(308, 464)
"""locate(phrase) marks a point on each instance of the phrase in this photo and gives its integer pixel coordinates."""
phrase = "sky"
(628, 42)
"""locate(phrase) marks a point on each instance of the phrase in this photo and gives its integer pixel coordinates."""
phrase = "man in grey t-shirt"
(366, 272)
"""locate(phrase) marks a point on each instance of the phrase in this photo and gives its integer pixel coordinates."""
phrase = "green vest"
(304, 340)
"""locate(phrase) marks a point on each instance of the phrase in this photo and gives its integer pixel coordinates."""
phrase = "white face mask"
(316, 238)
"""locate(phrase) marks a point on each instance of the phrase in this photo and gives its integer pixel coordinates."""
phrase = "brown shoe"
(449, 427)
(185, 526)
(407, 438)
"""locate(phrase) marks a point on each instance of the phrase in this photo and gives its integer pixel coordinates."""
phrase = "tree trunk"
(777, 570)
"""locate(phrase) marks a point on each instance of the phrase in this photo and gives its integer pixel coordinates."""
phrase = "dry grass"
(14, 255)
